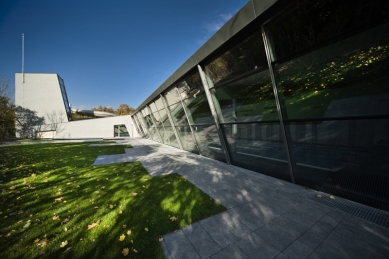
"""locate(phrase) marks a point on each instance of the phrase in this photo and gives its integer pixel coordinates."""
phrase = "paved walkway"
(265, 217)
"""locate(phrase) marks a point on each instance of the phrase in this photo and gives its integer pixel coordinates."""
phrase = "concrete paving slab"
(265, 217)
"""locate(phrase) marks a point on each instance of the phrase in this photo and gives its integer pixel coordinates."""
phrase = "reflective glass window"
(195, 100)
(245, 57)
(209, 142)
(170, 137)
(258, 147)
(157, 118)
(172, 97)
(178, 115)
(347, 158)
(164, 117)
(153, 107)
(331, 58)
(242, 84)
(159, 104)
(186, 138)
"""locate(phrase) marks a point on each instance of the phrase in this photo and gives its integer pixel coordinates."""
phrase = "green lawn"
(51, 194)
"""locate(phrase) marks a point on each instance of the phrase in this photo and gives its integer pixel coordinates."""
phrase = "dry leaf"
(12, 187)
(125, 251)
(122, 237)
(129, 232)
(160, 238)
(94, 224)
(134, 194)
(36, 240)
(65, 220)
(124, 226)
(332, 197)
(173, 218)
(103, 187)
(64, 244)
(33, 175)
(55, 217)
(43, 242)
(58, 199)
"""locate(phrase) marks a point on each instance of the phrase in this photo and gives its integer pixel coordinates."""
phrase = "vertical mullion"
(169, 115)
(163, 126)
(190, 126)
(275, 90)
(155, 124)
(141, 119)
(214, 113)
(136, 126)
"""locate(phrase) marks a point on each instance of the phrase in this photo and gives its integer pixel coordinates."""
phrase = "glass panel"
(153, 107)
(258, 147)
(195, 100)
(198, 109)
(164, 118)
(187, 139)
(245, 57)
(347, 158)
(178, 114)
(242, 84)
(346, 75)
(159, 104)
(170, 137)
(209, 142)
(123, 131)
(248, 99)
(172, 97)
(310, 23)
(157, 118)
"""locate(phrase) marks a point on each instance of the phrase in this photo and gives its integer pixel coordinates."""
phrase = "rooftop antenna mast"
(23, 56)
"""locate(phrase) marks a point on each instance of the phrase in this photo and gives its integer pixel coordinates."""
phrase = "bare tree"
(55, 121)
(27, 122)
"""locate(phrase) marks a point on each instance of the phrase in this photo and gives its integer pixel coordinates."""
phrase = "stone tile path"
(265, 217)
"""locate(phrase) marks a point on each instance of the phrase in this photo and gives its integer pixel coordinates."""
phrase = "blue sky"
(108, 52)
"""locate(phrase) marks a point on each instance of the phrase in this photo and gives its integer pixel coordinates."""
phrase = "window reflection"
(258, 147)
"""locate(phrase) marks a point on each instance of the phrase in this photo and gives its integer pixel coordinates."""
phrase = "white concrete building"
(46, 95)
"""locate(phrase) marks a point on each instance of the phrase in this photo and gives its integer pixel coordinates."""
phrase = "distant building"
(46, 95)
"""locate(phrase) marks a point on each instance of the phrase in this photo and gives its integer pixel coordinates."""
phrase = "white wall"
(40, 93)
(95, 128)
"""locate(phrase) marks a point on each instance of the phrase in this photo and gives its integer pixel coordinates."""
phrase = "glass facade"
(303, 97)
(65, 98)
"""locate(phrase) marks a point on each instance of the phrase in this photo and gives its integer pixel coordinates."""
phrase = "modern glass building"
(297, 90)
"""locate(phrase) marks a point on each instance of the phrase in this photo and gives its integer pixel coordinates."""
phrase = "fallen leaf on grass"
(43, 242)
(125, 251)
(33, 175)
(58, 199)
(122, 237)
(12, 187)
(129, 232)
(160, 238)
(94, 224)
(36, 240)
(124, 226)
(64, 244)
(134, 194)
(55, 217)
(173, 218)
(65, 220)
